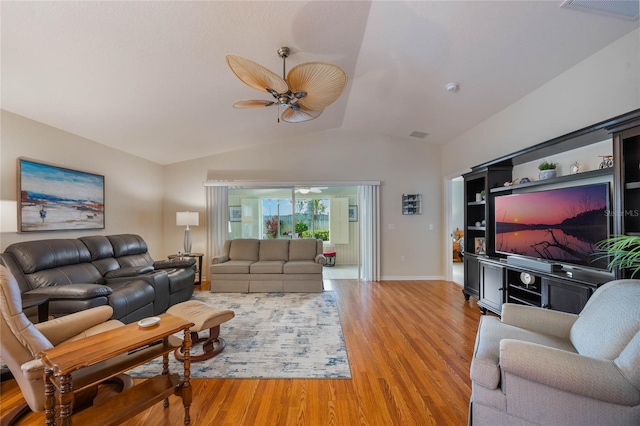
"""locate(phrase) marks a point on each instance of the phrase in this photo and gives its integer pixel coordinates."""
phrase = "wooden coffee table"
(79, 365)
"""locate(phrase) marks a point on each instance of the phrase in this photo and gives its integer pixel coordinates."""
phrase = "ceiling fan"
(303, 94)
(315, 190)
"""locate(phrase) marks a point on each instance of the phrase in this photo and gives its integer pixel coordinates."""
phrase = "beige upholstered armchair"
(537, 366)
(22, 341)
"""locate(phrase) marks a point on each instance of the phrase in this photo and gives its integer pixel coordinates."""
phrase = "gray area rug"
(273, 335)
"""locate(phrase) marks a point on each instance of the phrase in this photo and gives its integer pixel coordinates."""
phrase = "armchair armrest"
(73, 291)
(33, 370)
(177, 262)
(129, 271)
(220, 259)
(571, 372)
(60, 329)
(320, 259)
(539, 320)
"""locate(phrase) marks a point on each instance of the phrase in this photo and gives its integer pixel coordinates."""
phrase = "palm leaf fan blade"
(322, 82)
(298, 115)
(254, 103)
(255, 75)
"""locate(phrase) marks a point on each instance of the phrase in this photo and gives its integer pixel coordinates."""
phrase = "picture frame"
(235, 213)
(480, 245)
(57, 198)
(353, 213)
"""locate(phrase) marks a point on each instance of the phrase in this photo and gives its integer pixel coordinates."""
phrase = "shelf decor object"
(187, 219)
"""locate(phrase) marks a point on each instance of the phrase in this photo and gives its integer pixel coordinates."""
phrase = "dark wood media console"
(489, 278)
(566, 291)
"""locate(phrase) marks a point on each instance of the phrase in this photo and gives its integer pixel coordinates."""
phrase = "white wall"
(602, 86)
(133, 186)
(402, 167)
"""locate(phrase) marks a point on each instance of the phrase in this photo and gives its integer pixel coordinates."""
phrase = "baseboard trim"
(412, 278)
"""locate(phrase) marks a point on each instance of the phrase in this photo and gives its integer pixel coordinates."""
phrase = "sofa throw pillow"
(302, 249)
(244, 249)
(274, 250)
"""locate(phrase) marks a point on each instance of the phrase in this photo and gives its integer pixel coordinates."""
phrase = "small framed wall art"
(480, 246)
(235, 213)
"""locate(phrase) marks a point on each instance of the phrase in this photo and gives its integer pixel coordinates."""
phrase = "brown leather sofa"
(114, 270)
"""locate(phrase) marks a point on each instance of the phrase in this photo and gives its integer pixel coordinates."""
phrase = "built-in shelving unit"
(626, 156)
(493, 281)
(411, 204)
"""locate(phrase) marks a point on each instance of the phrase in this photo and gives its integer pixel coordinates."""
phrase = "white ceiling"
(150, 78)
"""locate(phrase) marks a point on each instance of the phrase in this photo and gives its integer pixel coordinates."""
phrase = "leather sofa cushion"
(244, 249)
(34, 256)
(127, 244)
(68, 274)
(302, 267)
(231, 267)
(99, 246)
(274, 250)
(267, 267)
(304, 249)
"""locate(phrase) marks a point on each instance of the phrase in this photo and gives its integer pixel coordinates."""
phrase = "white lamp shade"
(8, 216)
(187, 219)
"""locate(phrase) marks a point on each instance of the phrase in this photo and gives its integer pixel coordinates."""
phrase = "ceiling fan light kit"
(303, 94)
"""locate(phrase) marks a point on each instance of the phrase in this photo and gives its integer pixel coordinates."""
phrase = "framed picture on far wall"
(480, 246)
(353, 213)
(54, 198)
(235, 213)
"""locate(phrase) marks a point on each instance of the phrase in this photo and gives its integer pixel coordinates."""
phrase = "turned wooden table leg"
(165, 371)
(49, 398)
(66, 399)
(186, 384)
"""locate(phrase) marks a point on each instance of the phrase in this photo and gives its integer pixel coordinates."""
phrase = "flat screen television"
(558, 225)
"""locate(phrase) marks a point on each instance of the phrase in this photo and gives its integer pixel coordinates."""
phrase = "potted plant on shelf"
(623, 252)
(547, 170)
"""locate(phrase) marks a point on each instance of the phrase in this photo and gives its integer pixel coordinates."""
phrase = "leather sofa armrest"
(220, 259)
(129, 271)
(539, 320)
(73, 291)
(321, 259)
(177, 262)
(571, 372)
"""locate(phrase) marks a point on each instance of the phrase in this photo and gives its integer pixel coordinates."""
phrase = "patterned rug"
(273, 335)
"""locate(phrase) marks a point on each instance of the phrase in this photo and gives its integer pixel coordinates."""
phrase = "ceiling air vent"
(622, 9)
(417, 134)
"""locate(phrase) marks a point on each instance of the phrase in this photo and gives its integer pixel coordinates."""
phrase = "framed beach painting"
(54, 198)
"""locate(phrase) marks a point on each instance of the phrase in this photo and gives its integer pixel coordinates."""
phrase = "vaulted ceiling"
(150, 78)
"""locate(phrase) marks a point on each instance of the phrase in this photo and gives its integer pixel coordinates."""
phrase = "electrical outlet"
(431, 227)
(403, 258)
(392, 226)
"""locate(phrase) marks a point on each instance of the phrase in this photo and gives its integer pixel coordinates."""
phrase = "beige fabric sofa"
(278, 265)
(538, 366)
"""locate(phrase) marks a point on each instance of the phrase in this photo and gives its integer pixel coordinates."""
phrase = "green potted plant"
(623, 252)
(547, 170)
(483, 193)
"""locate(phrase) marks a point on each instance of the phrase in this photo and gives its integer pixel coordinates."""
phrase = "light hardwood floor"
(409, 345)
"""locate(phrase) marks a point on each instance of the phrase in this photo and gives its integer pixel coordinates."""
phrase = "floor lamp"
(187, 219)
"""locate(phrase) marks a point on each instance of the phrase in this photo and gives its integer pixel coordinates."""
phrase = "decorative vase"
(546, 174)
